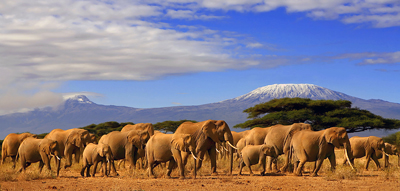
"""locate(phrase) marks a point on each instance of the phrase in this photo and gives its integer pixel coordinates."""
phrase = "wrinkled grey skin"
(279, 137)
(371, 147)
(163, 148)
(92, 155)
(255, 154)
(125, 145)
(11, 144)
(310, 146)
(34, 150)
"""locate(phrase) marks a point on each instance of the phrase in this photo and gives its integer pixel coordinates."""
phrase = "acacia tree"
(170, 126)
(321, 114)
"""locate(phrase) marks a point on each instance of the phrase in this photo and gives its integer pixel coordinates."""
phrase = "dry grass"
(342, 172)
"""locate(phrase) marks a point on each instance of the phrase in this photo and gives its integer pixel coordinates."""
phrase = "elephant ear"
(45, 146)
(100, 150)
(210, 130)
(178, 142)
(74, 138)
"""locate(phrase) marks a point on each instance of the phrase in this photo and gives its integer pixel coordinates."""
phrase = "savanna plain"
(343, 178)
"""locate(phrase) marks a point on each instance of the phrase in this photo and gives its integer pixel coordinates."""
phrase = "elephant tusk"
(224, 148)
(348, 159)
(217, 150)
(229, 143)
(108, 161)
(194, 156)
(58, 158)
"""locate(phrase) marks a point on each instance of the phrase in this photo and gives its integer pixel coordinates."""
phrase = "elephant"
(92, 138)
(279, 137)
(256, 136)
(391, 150)
(255, 154)
(309, 146)
(162, 148)
(92, 155)
(226, 138)
(238, 135)
(71, 141)
(370, 147)
(11, 144)
(140, 126)
(205, 135)
(34, 150)
(125, 145)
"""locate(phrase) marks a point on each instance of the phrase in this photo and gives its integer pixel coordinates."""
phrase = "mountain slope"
(79, 111)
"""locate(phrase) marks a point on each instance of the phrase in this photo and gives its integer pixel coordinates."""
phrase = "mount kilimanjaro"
(79, 111)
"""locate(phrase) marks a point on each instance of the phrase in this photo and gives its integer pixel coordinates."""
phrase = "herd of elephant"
(298, 142)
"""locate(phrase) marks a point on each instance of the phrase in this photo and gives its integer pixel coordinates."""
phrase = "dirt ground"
(138, 180)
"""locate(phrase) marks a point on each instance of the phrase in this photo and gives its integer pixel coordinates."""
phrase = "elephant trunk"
(347, 150)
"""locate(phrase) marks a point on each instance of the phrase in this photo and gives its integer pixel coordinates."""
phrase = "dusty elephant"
(92, 155)
(256, 136)
(166, 147)
(11, 144)
(34, 150)
(140, 127)
(71, 141)
(309, 146)
(279, 136)
(205, 135)
(391, 150)
(255, 154)
(125, 145)
(226, 138)
(370, 147)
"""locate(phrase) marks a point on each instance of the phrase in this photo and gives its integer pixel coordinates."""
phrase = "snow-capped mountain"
(79, 111)
(78, 99)
(292, 90)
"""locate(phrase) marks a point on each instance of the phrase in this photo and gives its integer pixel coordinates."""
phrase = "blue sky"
(157, 53)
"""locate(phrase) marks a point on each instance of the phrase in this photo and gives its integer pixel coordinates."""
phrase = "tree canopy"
(321, 114)
(169, 126)
(106, 127)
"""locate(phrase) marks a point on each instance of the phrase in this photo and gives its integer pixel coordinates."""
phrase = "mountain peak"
(277, 91)
(78, 98)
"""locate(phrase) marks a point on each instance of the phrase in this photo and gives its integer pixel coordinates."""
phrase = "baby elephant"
(34, 150)
(256, 154)
(92, 155)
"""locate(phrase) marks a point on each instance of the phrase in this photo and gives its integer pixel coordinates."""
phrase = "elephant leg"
(178, 159)
(68, 163)
(317, 166)
(171, 165)
(83, 170)
(199, 162)
(299, 168)
(13, 161)
(286, 163)
(113, 167)
(88, 170)
(375, 159)
(269, 163)
(41, 164)
(213, 158)
(152, 165)
(332, 160)
(275, 165)
(95, 168)
(241, 164)
(368, 158)
(251, 172)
